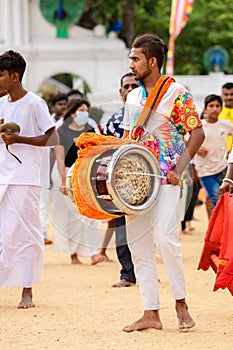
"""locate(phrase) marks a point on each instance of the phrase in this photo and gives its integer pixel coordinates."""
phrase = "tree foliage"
(210, 24)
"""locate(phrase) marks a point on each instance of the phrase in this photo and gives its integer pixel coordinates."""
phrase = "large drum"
(120, 180)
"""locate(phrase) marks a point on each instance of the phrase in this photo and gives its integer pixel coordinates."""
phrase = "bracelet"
(62, 186)
(227, 179)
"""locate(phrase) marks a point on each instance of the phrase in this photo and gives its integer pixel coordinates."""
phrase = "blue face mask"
(81, 118)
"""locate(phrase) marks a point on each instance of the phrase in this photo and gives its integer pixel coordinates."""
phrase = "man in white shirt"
(21, 237)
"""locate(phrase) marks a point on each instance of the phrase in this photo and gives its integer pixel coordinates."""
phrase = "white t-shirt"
(135, 102)
(31, 113)
(215, 142)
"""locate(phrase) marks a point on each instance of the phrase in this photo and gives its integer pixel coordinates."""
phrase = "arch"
(62, 82)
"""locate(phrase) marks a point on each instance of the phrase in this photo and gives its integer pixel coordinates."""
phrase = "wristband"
(227, 179)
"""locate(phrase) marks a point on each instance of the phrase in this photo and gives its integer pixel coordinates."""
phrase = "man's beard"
(144, 75)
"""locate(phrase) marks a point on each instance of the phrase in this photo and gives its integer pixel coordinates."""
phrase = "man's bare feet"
(106, 258)
(48, 241)
(96, 258)
(185, 321)
(150, 319)
(26, 301)
(189, 226)
(123, 283)
(186, 232)
(74, 259)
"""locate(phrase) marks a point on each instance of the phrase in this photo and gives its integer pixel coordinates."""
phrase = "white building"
(99, 60)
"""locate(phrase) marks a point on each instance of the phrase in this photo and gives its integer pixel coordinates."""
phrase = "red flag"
(180, 12)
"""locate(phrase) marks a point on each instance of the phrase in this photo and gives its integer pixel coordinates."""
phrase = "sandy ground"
(78, 309)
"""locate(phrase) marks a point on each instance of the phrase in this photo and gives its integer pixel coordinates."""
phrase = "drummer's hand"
(173, 177)
(226, 187)
(63, 189)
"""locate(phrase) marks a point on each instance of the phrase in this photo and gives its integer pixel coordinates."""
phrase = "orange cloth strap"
(151, 105)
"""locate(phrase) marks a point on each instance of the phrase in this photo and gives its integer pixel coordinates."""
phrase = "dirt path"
(77, 309)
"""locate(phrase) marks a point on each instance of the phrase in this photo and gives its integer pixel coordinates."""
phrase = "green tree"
(210, 24)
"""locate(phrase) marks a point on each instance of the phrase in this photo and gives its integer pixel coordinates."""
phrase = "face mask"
(81, 117)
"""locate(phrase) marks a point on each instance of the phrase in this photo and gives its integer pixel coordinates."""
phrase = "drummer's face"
(140, 66)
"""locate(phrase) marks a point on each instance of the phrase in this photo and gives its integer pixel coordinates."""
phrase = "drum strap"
(151, 104)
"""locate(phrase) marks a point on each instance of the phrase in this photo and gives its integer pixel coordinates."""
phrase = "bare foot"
(26, 301)
(185, 321)
(96, 258)
(123, 283)
(106, 258)
(150, 319)
(186, 232)
(104, 255)
(189, 226)
(74, 259)
(47, 241)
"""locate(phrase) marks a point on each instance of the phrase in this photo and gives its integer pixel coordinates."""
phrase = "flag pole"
(180, 12)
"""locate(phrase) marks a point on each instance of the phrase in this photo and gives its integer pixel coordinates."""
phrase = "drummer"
(74, 234)
(176, 115)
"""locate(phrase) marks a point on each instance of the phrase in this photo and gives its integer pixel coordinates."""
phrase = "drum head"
(133, 178)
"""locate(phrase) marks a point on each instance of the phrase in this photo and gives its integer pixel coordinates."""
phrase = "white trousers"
(157, 227)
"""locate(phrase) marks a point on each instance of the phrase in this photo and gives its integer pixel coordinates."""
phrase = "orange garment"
(218, 247)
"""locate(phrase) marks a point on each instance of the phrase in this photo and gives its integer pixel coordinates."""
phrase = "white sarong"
(21, 237)
(73, 233)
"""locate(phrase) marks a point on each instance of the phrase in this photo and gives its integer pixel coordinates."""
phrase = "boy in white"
(21, 237)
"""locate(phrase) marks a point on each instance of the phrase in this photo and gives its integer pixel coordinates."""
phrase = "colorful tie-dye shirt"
(176, 114)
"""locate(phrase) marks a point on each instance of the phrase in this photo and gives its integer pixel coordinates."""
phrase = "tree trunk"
(127, 32)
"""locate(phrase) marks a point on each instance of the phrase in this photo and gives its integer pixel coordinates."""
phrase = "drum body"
(121, 180)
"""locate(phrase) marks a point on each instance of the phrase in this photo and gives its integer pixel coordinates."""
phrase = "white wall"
(101, 61)
(202, 85)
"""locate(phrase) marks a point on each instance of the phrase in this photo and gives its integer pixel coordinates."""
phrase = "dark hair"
(130, 74)
(58, 97)
(74, 92)
(227, 86)
(13, 62)
(152, 46)
(73, 105)
(211, 98)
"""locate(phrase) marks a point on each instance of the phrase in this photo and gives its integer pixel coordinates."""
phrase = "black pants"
(123, 252)
(190, 203)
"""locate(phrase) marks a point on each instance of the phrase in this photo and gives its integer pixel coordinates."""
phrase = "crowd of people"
(35, 162)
